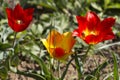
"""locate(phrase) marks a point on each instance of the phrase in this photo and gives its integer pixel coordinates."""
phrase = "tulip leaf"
(41, 63)
(50, 6)
(96, 6)
(78, 66)
(115, 72)
(33, 75)
(115, 5)
(106, 2)
(96, 71)
(15, 61)
(3, 72)
(4, 46)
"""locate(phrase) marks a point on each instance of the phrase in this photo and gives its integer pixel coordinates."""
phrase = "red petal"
(9, 12)
(106, 24)
(18, 12)
(76, 33)
(92, 39)
(105, 28)
(59, 53)
(108, 34)
(92, 20)
(81, 24)
(29, 14)
(29, 11)
(10, 17)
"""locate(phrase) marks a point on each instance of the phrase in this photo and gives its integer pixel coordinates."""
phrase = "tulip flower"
(92, 30)
(59, 45)
(19, 18)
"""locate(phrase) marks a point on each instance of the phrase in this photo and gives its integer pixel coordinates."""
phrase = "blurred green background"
(51, 14)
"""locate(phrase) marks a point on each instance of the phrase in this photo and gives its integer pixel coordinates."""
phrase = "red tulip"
(92, 30)
(19, 18)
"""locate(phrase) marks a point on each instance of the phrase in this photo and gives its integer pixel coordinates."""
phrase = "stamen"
(88, 32)
(19, 21)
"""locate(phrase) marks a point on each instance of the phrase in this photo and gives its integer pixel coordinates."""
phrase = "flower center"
(59, 52)
(88, 32)
(19, 21)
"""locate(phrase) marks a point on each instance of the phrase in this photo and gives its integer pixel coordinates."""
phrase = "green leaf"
(41, 63)
(33, 75)
(48, 6)
(3, 72)
(15, 61)
(90, 77)
(115, 5)
(96, 6)
(106, 2)
(108, 45)
(96, 71)
(4, 46)
(115, 72)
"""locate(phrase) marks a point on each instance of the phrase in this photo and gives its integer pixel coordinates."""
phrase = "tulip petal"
(76, 33)
(92, 20)
(45, 43)
(59, 53)
(93, 39)
(54, 38)
(106, 24)
(67, 42)
(10, 17)
(29, 13)
(81, 24)
(9, 12)
(105, 28)
(108, 35)
(18, 12)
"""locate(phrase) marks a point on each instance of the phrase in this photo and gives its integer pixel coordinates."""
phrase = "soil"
(91, 63)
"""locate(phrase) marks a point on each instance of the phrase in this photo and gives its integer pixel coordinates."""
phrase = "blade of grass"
(33, 75)
(108, 45)
(115, 71)
(64, 73)
(96, 71)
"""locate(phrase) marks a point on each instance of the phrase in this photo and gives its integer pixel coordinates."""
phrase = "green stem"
(84, 57)
(64, 73)
(50, 67)
(14, 39)
(58, 69)
(78, 66)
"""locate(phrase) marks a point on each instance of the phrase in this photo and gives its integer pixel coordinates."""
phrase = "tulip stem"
(65, 71)
(58, 69)
(78, 66)
(14, 41)
(84, 57)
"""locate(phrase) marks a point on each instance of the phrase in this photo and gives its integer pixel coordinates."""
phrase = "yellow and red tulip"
(59, 45)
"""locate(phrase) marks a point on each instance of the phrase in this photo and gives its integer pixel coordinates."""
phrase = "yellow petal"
(68, 42)
(54, 38)
(45, 43)
(49, 48)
